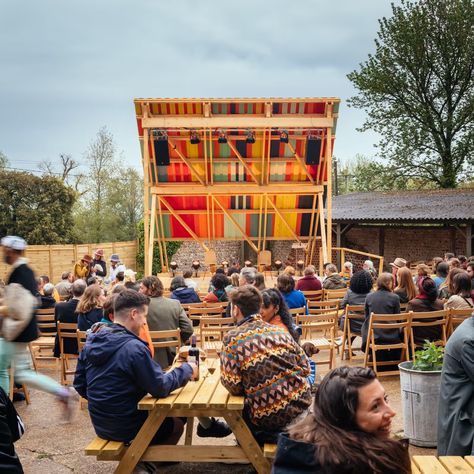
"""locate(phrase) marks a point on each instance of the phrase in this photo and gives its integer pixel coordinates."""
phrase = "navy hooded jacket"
(185, 295)
(114, 372)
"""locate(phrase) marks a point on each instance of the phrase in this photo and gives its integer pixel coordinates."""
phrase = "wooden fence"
(53, 260)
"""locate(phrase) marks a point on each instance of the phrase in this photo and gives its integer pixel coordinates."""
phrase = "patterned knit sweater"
(263, 363)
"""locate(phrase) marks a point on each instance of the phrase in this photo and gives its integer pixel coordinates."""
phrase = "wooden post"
(151, 240)
(146, 198)
(324, 247)
(468, 240)
(329, 186)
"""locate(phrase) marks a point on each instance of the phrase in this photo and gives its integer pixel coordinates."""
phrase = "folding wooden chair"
(352, 312)
(319, 330)
(400, 322)
(66, 331)
(334, 294)
(314, 295)
(212, 332)
(403, 307)
(42, 348)
(214, 311)
(81, 339)
(169, 338)
(428, 319)
(456, 317)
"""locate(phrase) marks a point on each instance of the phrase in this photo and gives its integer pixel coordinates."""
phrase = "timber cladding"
(53, 260)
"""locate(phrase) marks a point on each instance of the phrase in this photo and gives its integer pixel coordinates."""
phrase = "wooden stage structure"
(254, 170)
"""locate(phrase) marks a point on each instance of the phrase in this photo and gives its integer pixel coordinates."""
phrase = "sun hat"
(99, 252)
(87, 258)
(114, 258)
(399, 262)
(14, 242)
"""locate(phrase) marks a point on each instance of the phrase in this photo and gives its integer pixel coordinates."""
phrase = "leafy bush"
(429, 358)
(171, 249)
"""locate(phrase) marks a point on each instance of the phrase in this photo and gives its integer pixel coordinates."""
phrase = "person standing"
(98, 264)
(115, 267)
(82, 268)
(15, 349)
(456, 401)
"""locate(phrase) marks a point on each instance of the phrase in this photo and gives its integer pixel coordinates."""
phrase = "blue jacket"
(295, 299)
(114, 372)
(185, 295)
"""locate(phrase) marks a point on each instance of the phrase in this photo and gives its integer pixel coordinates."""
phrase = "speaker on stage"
(313, 150)
(162, 152)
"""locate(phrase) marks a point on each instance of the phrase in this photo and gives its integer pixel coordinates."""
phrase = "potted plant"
(420, 387)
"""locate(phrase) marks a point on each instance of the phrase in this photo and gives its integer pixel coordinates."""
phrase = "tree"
(68, 172)
(418, 89)
(39, 209)
(3, 160)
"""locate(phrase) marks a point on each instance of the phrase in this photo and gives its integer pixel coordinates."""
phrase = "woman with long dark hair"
(461, 298)
(347, 432)
(274, 310)
(425, 300)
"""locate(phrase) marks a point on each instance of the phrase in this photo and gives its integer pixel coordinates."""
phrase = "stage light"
(194, 137)
(222, 137)
(248, 263)
(300, 266)
(284, 136)
(278, 264)
(250, 136)
(196, 264)
(173, 266)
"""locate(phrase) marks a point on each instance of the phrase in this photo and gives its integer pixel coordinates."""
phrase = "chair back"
(320, 307)
(81, 339)
(353, 311)
(215, 311)
(403, 307)
(428, 319)
(314, 295)
(334, 294)
(313, 325)
(168, 338)
(46, 322)
(66, 331)
(212, 332)
(456, 317)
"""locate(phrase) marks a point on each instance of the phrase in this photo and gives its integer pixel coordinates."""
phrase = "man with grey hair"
(247, 276)
(334, 281)
(47, 298)
(64, 286)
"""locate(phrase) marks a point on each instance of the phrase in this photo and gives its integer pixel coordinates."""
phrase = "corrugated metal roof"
(405, 206)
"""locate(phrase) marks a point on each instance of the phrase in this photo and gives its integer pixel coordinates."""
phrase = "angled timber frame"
(270, 179)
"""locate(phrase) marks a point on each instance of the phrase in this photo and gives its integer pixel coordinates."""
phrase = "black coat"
(24, 276)
(100, 273)
(381, 302)
(9, 462)
(66, 313)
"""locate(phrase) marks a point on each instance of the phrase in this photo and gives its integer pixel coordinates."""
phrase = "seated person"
(294, 298)
(217, 292)
(333, 280)
(347, 432)
(115, 371)
(254, 353)
(89, 310)
(181, 292)
(47, 298)
(309, 282)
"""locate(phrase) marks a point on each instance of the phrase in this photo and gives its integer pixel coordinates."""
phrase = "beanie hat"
(361, 282)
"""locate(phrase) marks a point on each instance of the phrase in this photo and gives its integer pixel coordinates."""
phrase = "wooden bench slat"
(95, 446)
(455, 464)
(235, 402)
(414, 468)
(219, 397)
(168, 401)
(147, 403)
(185, 398)
(469, 460)
(429, 465)
(204, 395)
(269, 450)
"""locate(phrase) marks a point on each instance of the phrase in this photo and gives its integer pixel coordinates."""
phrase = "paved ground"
(50, 446)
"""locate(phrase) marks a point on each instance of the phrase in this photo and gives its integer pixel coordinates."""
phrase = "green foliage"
(171, 249)
(3, 160)
(430, 358)
(35, 208)
(418, 90)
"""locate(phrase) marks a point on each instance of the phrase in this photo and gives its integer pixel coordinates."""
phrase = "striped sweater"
(263, 363)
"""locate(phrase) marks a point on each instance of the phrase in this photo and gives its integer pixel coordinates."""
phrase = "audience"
(164, 314)
(289, 270)
(309, 282)
(448, 256)
(446, 289)
(454, 263)
(360, 286)
(461, 297)
(190, 283)
(274, 311)
(247, 276)
(396, 265)
(47, 299)
(82, 267)
(455, 424)
(368, 266)
(333, 280)
(406, 289)
(98, 266)
(425, 300)
(181, 292)
(234, 282)
(115, 267)
(89, 308)
(269, 408)
(259, 281)
(470, 272)
(442, 269)
(64, 286)
(382, 301)
(348, 430)
(347, 271)
(294, 298)
(218, 294)
(66, 313)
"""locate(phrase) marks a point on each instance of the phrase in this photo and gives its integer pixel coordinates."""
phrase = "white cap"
(13, 242)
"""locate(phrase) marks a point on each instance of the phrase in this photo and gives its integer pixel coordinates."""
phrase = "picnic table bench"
(206, 397)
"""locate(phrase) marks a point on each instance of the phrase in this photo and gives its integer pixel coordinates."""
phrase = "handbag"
(21, 305)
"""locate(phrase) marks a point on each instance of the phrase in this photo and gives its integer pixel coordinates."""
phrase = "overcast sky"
(67, 68)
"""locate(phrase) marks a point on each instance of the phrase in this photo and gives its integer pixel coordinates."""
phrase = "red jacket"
(308, 283)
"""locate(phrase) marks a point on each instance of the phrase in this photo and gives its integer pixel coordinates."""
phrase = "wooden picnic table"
(206, 397)
(442, 465)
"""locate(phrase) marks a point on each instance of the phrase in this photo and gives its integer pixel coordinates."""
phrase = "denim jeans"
(18, 355)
